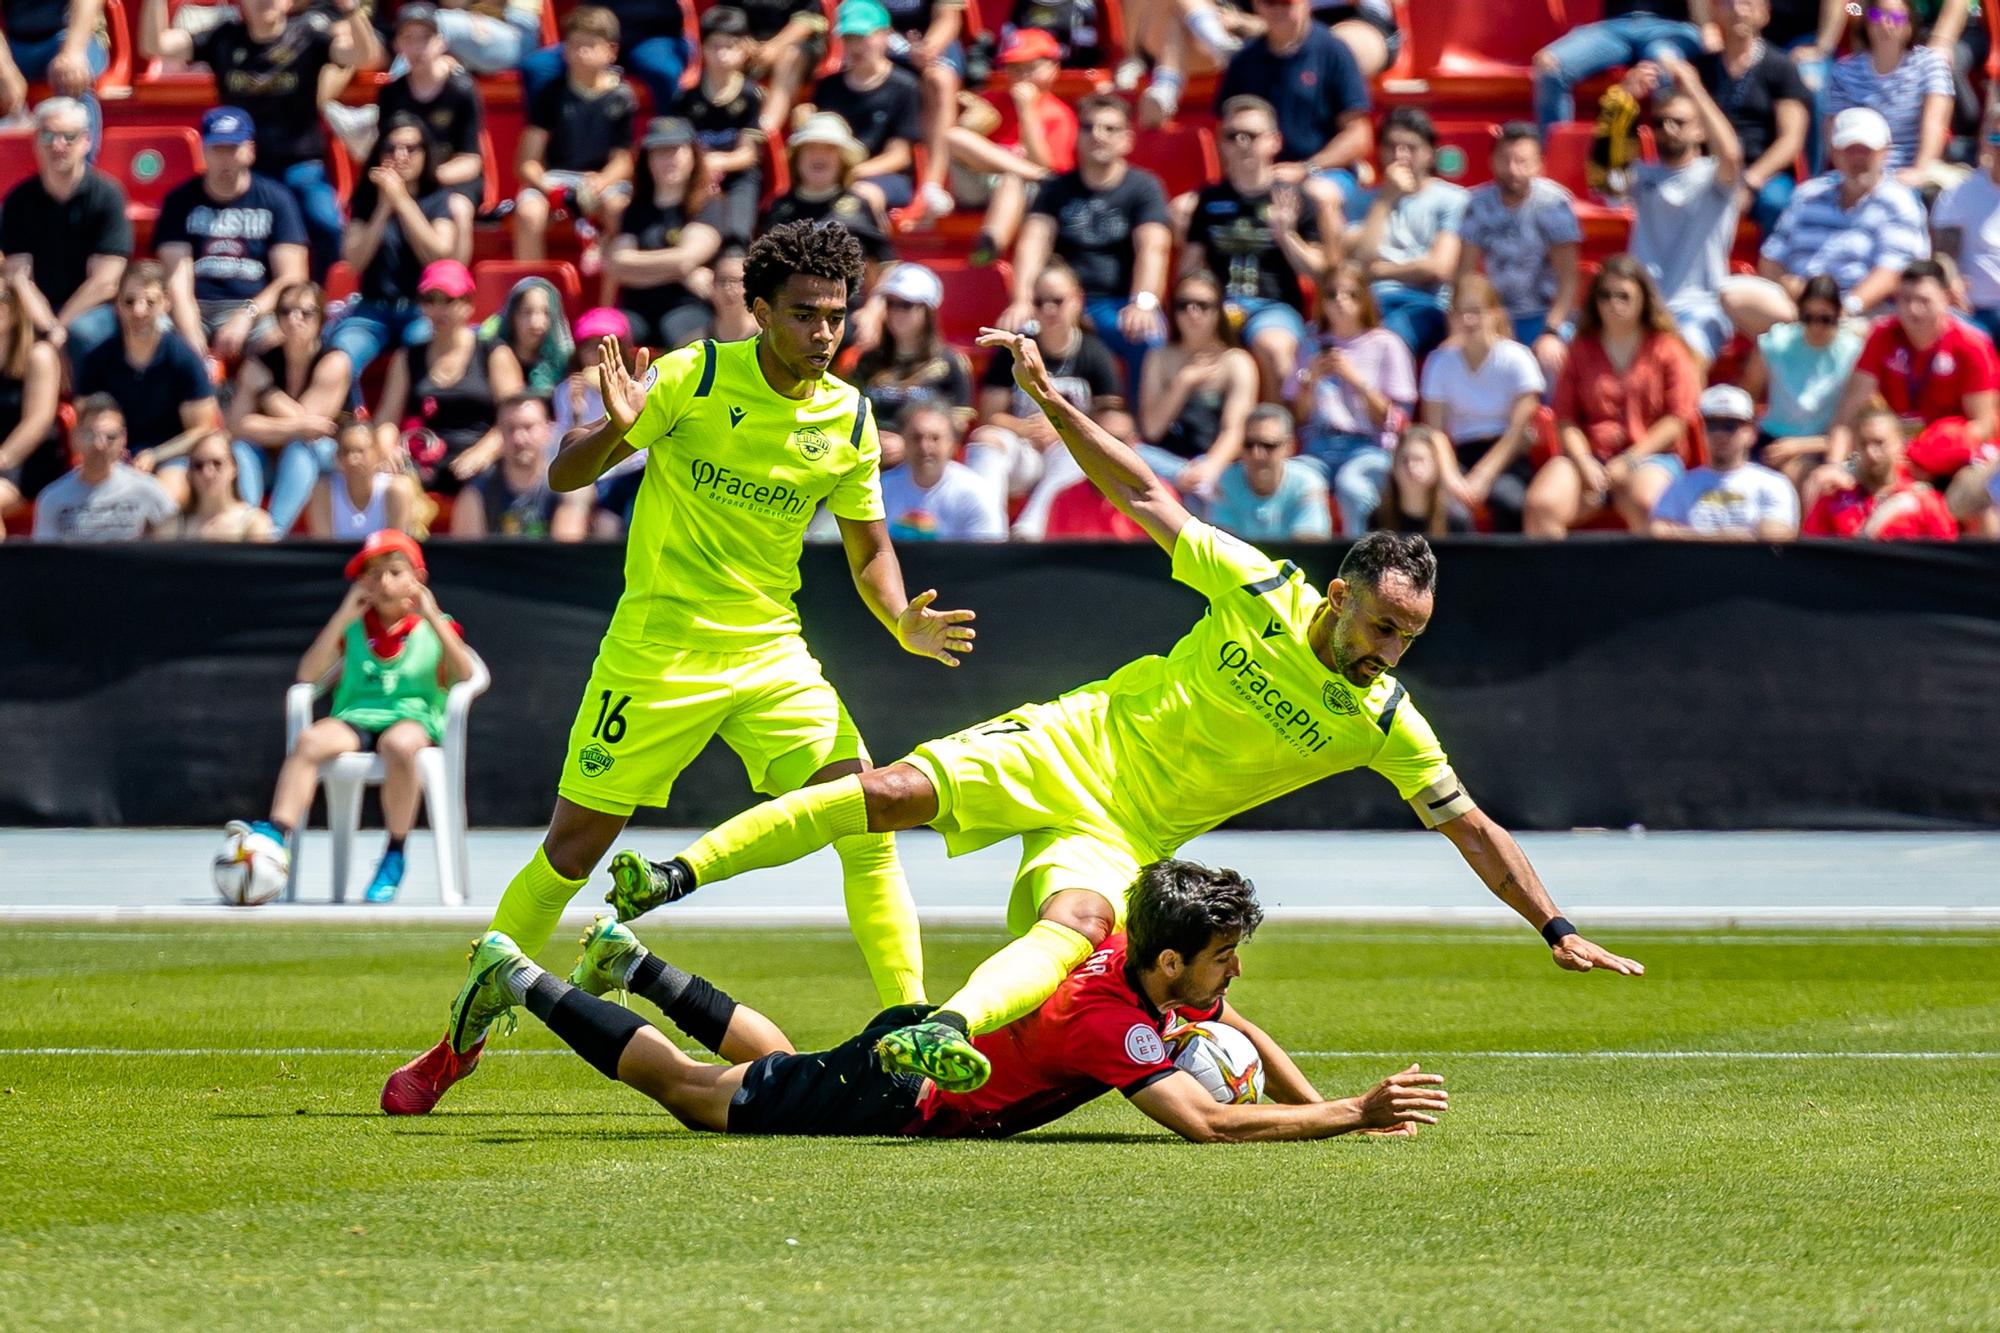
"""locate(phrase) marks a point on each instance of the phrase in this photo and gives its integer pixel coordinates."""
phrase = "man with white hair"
(1731, 498)
(1856, 224)
(64, 234)
(932, 496)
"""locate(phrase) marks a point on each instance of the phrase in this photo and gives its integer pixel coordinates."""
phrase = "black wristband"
(1556, 929)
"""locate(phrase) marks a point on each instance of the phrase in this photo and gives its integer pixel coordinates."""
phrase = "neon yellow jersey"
(1241, 710)
(733, 475)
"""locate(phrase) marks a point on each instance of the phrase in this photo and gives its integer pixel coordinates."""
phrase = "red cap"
(1026, 44)
(385, 542)
(448, 276)
(1942, 448)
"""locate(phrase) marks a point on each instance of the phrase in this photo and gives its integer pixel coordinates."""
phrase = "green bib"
(377, 693)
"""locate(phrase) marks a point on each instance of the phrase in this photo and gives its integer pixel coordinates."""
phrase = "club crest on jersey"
(594, 760)
(1336, 697)
(1144, 1045)
(811, 442)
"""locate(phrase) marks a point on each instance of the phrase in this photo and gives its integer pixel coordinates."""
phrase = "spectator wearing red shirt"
(1927, 367)
(1627, 409)
(1882, 503)
(1032, 136)
(1108, 1025)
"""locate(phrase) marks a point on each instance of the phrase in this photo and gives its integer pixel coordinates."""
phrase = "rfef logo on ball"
(594, 760)
(1143, 1044)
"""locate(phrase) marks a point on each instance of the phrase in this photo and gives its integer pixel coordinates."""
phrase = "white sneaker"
(937, 200)
(1128, 74)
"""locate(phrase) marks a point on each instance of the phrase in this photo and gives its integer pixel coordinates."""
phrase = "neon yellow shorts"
(1037, 773)
(648, 711)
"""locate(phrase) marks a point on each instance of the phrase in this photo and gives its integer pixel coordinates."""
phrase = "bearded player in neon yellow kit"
(1277, 686)
(744, 441)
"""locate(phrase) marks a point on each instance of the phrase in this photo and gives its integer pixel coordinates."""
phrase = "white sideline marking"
(385, 1052)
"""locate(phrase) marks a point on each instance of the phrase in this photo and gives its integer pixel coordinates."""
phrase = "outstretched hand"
(1574, 953)
(942, 635)
(624, 392)
(1403, 1099)
(1029, 371)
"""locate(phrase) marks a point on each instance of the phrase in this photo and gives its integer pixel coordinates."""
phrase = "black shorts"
(839, 1092)
(369, 737)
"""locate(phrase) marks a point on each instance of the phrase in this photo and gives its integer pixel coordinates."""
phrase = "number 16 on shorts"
(609, 729)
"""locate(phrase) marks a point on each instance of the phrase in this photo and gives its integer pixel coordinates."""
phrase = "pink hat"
(603, 322)
(448, 276)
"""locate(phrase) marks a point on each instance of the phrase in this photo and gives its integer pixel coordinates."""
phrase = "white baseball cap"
(913, 283)
(1726, 402)
(1862, 125)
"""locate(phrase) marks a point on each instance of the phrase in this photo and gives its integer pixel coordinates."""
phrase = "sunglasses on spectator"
(1050, 302)
(1263, 446)
(1193, 303)
(1617, 296)
(435, 298)
(64, 137)
(1888, 18)
(396, 149)
(287, 311)
(1825, 317)
(205, 464)
(895, 303)
(1725, 424)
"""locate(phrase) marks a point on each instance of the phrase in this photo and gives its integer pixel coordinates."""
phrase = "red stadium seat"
(1465, 152)
(973, 298)
(494, 278)
(17, 158)
(1182, 156)
(149, 160)
(341, 281)
(1482, 51)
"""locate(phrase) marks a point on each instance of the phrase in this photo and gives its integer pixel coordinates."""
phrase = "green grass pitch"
(1763, 1189)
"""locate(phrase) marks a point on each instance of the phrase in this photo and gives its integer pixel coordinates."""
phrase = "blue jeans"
(371, 328)
(1814, 73)
(1414, 315)
(657, 62)
(1103, 313)
(1596, 47)
(301, 464)
(90, 331)
(32, 59)
(320, 203)
(1771, 201)
(1356, 467)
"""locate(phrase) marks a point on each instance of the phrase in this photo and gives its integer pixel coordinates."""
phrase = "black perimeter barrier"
(1590, 683)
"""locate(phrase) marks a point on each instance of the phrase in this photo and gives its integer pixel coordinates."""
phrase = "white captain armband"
(1443, 801)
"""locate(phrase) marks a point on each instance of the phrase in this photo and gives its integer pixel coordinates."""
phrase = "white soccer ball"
(1221, 1058)
(251, 868)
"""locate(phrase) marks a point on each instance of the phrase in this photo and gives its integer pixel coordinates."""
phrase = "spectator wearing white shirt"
(1685, 204)
(1965, 224)
(1480, 393)
(104, 499)
(1853, 224)
(1266, 495)
(933, 496)
(1731, 498)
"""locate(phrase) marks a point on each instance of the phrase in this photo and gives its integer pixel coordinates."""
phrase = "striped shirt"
(1899, 95)
(1816, 234)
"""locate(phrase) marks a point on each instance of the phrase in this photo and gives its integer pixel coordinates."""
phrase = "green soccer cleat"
(936, 1051)
(639, 885)
(484, 999)
(609, 950)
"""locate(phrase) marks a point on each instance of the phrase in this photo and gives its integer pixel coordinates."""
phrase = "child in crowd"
(575, 151)
(398, 655)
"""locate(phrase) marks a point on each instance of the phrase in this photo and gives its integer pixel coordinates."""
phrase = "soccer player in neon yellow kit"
(1277, 686)
(744, 440)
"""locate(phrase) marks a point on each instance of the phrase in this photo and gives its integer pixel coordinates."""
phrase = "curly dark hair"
(817, 249)
(1381, 553)
(1184, 906)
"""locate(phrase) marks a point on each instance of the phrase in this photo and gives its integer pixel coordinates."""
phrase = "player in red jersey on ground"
(1103, 1028)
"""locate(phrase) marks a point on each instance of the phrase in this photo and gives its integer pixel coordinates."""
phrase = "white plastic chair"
(440, 768)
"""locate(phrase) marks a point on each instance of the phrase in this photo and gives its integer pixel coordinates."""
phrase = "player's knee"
(898, 797)
(403, 742)
(1086, 913)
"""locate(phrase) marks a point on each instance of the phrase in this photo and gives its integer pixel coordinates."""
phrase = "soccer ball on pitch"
(1221, 1058)
(251, 868)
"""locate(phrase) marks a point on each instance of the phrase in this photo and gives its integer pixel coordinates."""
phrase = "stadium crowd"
(1315, 330)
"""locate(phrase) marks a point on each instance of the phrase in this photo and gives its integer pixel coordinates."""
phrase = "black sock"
(396, 842)
(595, 1029)
(951, 1020)
(692, 1004)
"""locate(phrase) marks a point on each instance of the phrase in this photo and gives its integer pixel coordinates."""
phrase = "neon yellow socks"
(780, 831)
(533, 904)
(883, 916)
(1016, 980)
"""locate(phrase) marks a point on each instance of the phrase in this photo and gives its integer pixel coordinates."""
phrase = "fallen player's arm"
(1283, 1080)
(1184, 1106)
(588, 452)
(1112, 466)
(1504, 868)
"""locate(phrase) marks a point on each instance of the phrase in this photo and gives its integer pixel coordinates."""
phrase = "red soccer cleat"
(417, 1086)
